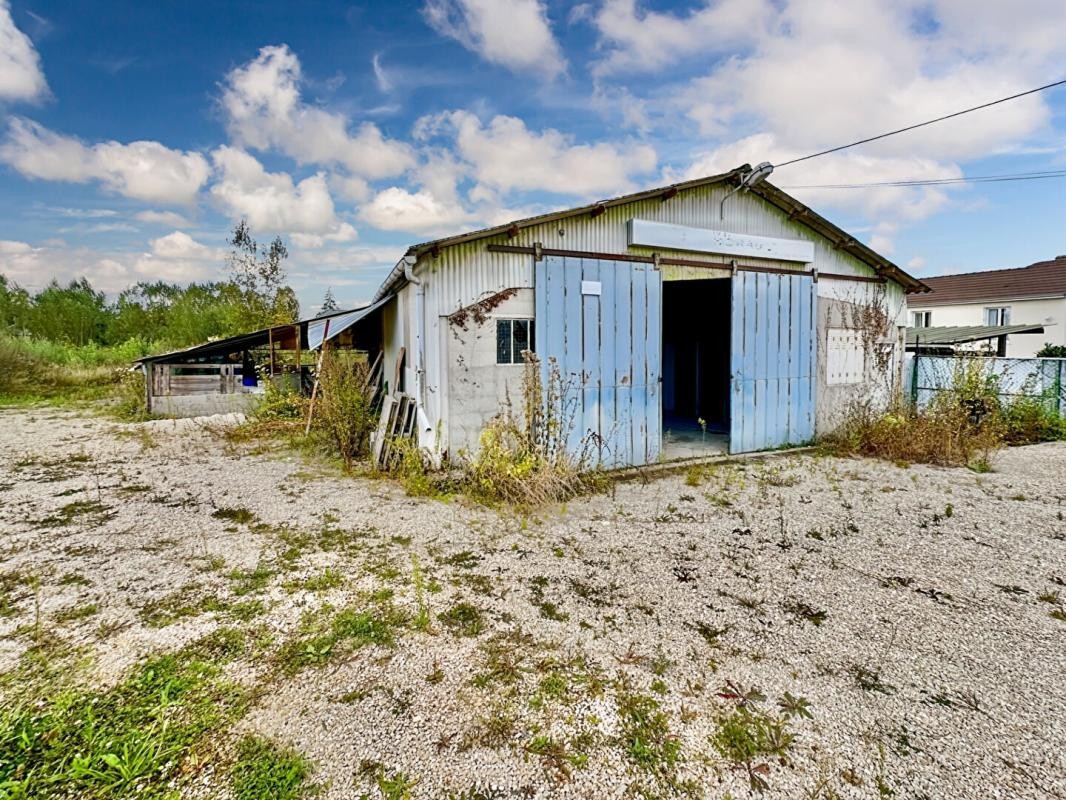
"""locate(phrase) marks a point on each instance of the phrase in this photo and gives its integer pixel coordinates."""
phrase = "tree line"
(255, 295)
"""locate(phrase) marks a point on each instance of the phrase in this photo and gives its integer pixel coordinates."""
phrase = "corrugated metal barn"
(691, 319)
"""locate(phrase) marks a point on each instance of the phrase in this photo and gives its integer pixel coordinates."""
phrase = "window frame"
(1002, 315)
(927, 316)
(516, 357)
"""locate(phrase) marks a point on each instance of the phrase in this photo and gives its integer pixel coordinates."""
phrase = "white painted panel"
(591, 287)
(646, 233)
(845, 357)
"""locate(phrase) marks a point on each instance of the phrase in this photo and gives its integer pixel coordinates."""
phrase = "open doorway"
(696, 329)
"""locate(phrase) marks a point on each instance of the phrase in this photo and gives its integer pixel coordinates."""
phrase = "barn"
(703, 317)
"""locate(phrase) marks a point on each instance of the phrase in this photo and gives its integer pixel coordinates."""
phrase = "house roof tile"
(1042, 279)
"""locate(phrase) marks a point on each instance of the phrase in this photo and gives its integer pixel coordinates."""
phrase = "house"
(1034, 295)
(693, 317)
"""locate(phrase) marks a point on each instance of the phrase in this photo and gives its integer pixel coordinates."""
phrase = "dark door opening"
(696, 332)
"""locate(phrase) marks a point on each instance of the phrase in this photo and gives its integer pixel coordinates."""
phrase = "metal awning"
(322, 330)
(947, 335)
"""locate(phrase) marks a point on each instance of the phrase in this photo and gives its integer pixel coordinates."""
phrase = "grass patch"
(324, 637)
(646, 734)
(264, 770)
(128, 741)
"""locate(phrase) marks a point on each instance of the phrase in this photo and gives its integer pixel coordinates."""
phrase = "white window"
(997, 316)
(921, 319)
(512, 337)
(847, 357)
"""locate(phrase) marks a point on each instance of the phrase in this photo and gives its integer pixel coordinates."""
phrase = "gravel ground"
(918, 611)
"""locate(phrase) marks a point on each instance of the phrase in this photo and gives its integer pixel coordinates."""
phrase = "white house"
(1033, 295)
(692, 313)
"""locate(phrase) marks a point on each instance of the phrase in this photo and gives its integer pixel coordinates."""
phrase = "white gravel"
(937, 588)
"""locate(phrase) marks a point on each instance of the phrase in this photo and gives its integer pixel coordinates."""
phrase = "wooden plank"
(623, 355)
(590, 362)
(608, 337)
(655, 368)
(639, 364)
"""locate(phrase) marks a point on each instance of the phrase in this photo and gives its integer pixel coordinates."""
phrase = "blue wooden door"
(601, 322)
(773, 361)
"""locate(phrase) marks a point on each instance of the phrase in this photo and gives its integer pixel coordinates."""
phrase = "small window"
(922, 319)
(997, 316)
(512, 337)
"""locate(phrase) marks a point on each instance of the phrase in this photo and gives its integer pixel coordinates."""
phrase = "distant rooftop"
(1042, 279)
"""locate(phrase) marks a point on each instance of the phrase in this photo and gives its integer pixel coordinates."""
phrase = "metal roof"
(771, 194)
(244, 341)
(1042, 279)
(962, 334)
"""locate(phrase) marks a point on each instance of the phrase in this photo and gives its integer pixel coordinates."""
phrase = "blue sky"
(133, 135)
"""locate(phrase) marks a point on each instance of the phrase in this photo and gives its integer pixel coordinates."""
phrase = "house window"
(997, 316)
(921, 319)
(512, 337)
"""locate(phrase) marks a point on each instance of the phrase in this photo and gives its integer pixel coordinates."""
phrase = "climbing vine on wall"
(869, 316)
(478, 312)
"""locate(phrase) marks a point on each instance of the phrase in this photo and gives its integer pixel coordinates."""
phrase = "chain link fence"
(1043, 379)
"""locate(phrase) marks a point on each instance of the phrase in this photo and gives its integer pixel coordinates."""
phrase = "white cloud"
(174, 257)
(396, 209)
(512, 33)
(264, 110)
(168, 219)
(21, 77)
(811, 74)
(272, 201)
(883, 203)
(180, 258)
(140, 170)
(635, 39)
(506, 156)
(380, 75)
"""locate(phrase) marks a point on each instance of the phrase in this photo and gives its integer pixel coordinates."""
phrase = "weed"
(395, 785)
(463, 619)
(802, 611)
(421, 621)
(525, 458)
(646, 734)
(323, 582)
(870, 681)
(747, 735)
(710, 634)
(239, 515)
(323, 637)
(556, 756)
(76, 613)
(247, 581)
(71, 512)
(265, 770)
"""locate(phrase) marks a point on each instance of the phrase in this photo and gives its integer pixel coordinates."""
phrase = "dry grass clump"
(523, 458)
(345, 415)
(961, 426)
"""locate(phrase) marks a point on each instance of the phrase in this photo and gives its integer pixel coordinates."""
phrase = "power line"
(923, 124)
(1020, 176)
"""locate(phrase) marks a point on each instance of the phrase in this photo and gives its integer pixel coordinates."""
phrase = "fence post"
(1058, 389)
(914, 374)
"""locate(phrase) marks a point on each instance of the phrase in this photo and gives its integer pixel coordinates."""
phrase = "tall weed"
(523, 456)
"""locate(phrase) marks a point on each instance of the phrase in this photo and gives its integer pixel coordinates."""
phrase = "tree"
(15, 306)
(76, 313)
(259, 277)
(329, 305)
